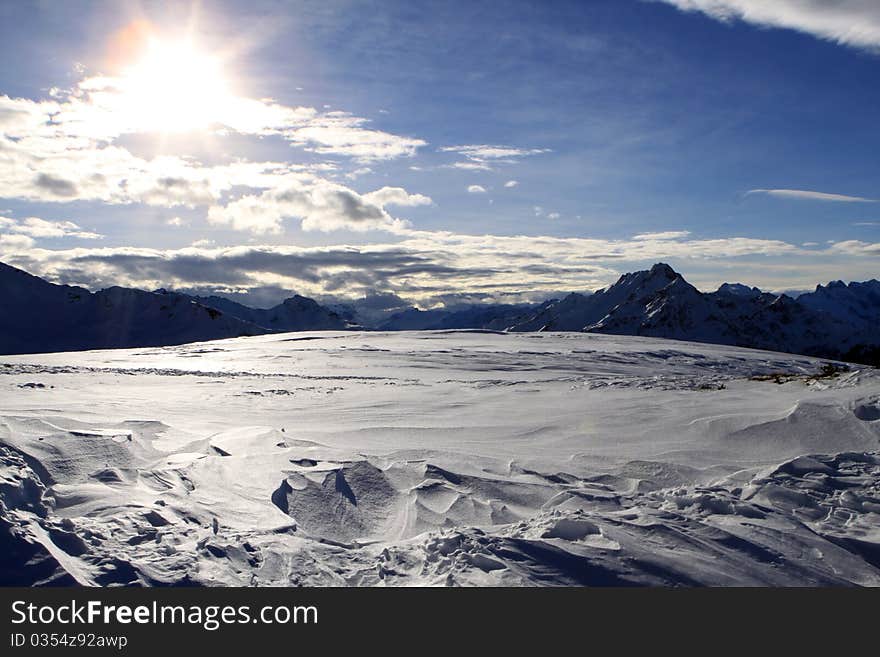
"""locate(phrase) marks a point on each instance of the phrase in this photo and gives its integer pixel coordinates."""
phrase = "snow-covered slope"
(447, 457)
(38, 316)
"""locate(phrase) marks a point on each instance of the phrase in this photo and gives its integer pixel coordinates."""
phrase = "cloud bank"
(427, 265)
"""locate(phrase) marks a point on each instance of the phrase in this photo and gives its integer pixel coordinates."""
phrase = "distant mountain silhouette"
(297, 313)
(835, 321)
(38, 316)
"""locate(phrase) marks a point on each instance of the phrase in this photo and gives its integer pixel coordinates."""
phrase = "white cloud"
(490, 152)
(340, 133)
(856, 248)
(99, 108)
(13, 243)
(396, 196)
(20, 117)
(476, 189)
(177, 222)
(485, 156)
(553, 215)
(511, 183)
(37, 228)
(361, 171)
(319, 205)
(575, 248)
(847, 22)
(61, 170)
(665, 235)
(469, 166)
(809, 195)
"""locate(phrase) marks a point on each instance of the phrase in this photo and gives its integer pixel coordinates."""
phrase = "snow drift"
(438, 458)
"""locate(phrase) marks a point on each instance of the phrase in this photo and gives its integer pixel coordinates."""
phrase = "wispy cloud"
(856, 248)
(809, 195)
(490, 152)
(476, 189)
(36, 228)
(848, 22)
(340, 133)
(511, 183)
(486, 156)
(469, 165)
(664, 235)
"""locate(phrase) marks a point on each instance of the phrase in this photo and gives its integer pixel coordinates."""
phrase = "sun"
(173, 87)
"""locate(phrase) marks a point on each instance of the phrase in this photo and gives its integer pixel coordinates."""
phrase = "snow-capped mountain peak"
(738, 289)
(837, 320)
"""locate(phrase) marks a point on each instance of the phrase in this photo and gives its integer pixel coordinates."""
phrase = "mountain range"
(297, 313)
(835, 321)
(38, 316)
(840, 321)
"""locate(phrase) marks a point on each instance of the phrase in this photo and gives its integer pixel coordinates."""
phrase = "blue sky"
(440, 151)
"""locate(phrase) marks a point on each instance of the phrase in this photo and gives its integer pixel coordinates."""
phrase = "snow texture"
(438, 458)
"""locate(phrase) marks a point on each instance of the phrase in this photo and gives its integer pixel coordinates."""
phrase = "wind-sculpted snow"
(438, 458)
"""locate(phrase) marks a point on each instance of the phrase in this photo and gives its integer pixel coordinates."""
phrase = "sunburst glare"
(174, 87)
